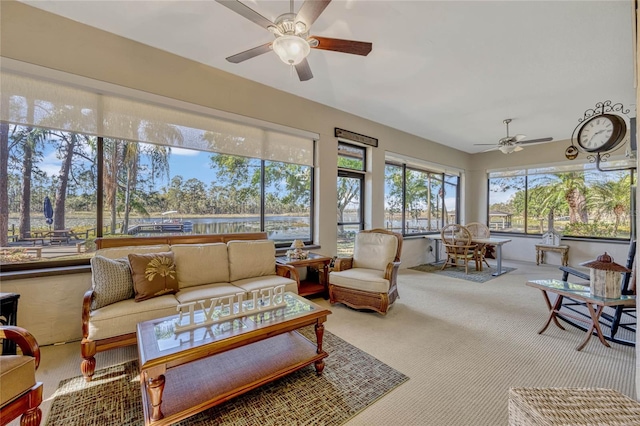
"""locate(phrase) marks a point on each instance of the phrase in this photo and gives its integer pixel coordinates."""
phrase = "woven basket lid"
(605, 262)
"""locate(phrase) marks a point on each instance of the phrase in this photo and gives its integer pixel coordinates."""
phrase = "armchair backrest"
(376, 248)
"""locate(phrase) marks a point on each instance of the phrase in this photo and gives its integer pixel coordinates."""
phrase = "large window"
(577, 201)
(351, 167)
(147, 190)
(419, 201)
(81, 159)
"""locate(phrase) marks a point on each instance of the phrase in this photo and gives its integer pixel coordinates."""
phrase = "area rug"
(473, 275)
(351, 381)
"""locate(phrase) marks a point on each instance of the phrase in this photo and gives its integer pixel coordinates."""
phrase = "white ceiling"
(448, 71)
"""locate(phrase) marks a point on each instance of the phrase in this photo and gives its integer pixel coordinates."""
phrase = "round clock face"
(602, 133)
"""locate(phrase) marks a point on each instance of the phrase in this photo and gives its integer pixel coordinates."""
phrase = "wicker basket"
(571, 406)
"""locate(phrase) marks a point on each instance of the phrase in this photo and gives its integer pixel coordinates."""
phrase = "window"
(418, 201)
(351, 166)
(138, 165)
(577, 201)
(148, 189)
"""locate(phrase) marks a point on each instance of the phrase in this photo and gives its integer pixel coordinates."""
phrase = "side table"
(311, 285)
(563, 250)
(8, 316)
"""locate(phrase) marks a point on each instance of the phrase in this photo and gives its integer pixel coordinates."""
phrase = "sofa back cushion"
(154, 274)
(111, 281)
(198, 264)
(374, 250)
(248, 259)
(118, 252)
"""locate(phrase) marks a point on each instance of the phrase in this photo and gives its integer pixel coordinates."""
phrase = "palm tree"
(613, 197)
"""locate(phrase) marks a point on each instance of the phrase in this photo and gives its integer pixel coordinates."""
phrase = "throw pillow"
(111, 281)
(154, 274)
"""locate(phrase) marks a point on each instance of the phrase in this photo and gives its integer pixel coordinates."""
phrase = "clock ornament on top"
(601, 129)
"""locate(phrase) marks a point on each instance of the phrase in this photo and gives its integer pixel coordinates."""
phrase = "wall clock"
(602, 133)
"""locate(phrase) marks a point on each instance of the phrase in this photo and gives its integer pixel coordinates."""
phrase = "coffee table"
(182, 374)
(594, 304)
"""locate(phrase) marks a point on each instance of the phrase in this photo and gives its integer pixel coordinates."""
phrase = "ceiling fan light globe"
(291, 49)
(507, 149)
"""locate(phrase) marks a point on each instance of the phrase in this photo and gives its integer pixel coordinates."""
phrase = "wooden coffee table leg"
(155, 387)
(553, 310)
(595, 325)
(319, 335)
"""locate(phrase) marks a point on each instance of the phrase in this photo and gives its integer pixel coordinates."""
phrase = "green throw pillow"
(111, 280)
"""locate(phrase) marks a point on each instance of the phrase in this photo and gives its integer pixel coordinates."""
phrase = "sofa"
(190, 268)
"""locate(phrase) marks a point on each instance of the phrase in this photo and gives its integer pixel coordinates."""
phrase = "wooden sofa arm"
(86, 312)
(343, 263)
(25, 340)
(288, 271)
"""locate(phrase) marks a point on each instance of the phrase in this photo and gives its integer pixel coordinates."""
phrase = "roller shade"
(40, 102)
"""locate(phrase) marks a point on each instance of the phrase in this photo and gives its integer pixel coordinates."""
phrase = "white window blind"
(37, 101)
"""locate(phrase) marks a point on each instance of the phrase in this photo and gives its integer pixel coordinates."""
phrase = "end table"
(314, 262)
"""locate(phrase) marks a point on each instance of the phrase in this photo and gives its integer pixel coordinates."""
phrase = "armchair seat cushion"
(17, 375)
(371, 280)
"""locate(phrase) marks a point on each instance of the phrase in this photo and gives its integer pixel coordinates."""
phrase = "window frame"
(443, 179)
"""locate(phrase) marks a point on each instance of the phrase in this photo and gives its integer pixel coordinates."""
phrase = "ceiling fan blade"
(304, 70)
(485, 144)
(345, 46)
(532, 141)
(491, 149)
(518, 137)
(517, 148)
(310, 10)
(247, 12)
(248, 54)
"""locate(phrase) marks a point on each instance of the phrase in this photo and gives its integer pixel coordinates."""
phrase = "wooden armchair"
(20, 394)
(480, 230)
(368, 280)
(456, 240)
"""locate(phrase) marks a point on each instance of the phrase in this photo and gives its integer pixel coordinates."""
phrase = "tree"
(4, 183)
(613, 196)
(67, 148)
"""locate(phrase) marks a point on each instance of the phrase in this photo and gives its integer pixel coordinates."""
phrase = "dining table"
(494, 241)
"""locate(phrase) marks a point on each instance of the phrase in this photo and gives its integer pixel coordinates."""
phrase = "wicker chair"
(20, 394)
(456, 240)
(480, 230)
(368, 279)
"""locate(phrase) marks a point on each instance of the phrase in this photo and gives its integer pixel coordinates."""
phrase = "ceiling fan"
(510, 144)
(292, 40)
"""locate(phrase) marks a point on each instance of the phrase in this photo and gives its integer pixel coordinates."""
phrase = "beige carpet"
(461, 344)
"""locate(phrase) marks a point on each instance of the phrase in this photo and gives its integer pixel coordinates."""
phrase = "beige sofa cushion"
(117, 252)
(249, 259)
(17, 375)
(257, 283)
(206, 292)
(371, 280)
(374, 251)
(198, 264)
(122, 317)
